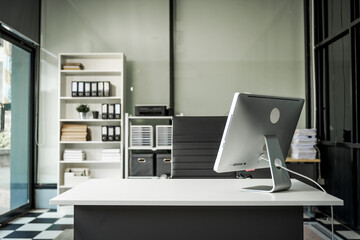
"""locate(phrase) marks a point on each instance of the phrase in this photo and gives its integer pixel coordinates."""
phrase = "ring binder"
(107, 89)
(100, 89)
(74, 89)
(94, 89)
(111, 111)
(104, 111)
(80, 89)
(117, 111)
(87, 89)
(117, 133)
(111, 136)
(104, 133)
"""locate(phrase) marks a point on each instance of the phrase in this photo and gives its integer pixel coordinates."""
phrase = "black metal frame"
(307, 35)
(323, 40)
(34, 75)
(172, 57)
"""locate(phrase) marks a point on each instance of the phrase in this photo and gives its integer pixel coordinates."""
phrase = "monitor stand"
(280, 177)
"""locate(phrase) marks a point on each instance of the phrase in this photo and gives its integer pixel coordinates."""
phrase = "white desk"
(189, 209)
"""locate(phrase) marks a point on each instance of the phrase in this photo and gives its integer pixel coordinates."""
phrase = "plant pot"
(82, 115)
(95, 114)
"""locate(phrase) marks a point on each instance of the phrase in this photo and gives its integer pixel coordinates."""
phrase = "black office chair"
(196, 142)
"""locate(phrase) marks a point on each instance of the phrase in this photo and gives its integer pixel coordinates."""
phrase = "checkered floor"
(37, 224)
(48, 224)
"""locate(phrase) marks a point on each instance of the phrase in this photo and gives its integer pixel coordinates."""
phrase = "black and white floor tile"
(37, 224)
(48, 224)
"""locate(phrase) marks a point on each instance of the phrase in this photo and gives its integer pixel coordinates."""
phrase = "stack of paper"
(74, 132)
(74, 155)
(110, 154)
(302, 146)
(73, 66)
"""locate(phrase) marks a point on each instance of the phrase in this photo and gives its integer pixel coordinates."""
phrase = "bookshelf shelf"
(149, 148)
(88, 142)
(89, 162)
(92, 120)
(90, 72)
(98, 67)
(143, 177)
(150, 117)
(90, 99)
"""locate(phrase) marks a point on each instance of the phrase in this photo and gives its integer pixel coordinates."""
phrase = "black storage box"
(142, 164)
(144, 110)
(163, 164)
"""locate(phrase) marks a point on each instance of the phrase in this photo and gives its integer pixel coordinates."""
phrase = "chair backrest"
(195, 145)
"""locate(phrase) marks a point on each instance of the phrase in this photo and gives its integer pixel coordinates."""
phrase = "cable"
(286, 169)
(277, 165)
(332, 211)
(319, 179)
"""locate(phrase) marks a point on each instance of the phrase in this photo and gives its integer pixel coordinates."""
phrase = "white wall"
(222, 46)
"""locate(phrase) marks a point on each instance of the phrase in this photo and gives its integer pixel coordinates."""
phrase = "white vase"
(82, 115)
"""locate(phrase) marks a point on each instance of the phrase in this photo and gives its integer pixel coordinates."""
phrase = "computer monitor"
(259, 127)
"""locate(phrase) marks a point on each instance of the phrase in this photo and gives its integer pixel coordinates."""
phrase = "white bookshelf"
(99, 67)
(143, 120)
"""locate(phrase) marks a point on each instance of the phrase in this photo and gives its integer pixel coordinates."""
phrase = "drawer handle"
(141, 160)
(167, 160)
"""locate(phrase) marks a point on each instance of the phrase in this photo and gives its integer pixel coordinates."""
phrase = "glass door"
(15, 130)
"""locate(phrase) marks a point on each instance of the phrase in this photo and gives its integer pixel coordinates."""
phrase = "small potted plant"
(83, 109)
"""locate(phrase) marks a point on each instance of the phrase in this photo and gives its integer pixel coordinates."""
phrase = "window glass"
(340, 107)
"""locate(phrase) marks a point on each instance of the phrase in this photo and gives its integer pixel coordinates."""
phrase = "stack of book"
(110, 155)
(74, 155)
(302, 146)
(73, 66)
(74, 132)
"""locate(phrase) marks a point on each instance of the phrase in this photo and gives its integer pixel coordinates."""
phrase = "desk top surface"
(190, 192)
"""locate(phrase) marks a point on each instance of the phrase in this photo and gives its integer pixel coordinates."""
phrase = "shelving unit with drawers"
(147, 138)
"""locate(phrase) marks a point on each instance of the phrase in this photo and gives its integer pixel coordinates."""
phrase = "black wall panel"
(337, 170)
(22, 16)
(338, 102)
(358, 188)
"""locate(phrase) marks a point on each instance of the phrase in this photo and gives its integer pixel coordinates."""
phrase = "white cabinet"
(98, 67)
(147, 135)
